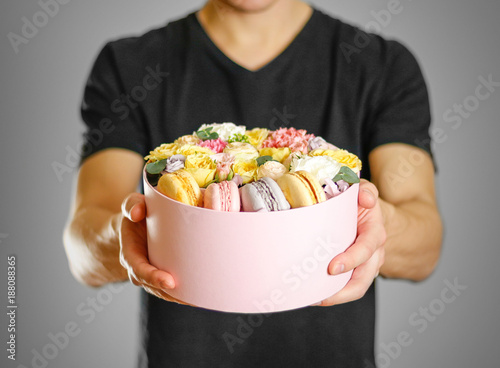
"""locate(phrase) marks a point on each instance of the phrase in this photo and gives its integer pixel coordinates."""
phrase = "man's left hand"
(366, 255)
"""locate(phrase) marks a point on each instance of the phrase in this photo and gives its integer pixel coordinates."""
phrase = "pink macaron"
(263, 195)
(223, 196)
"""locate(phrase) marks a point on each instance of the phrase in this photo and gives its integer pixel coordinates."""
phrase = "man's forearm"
(91, 241)
(414, 232)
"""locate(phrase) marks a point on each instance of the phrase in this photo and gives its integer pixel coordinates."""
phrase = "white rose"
(320, 166)
(271, 169)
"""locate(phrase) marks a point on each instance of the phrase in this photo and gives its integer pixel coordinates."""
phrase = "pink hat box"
(250, 262)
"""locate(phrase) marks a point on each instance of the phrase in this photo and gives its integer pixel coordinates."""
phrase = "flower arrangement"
(217, 153)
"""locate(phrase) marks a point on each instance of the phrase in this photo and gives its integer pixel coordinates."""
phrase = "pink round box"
(250, 262)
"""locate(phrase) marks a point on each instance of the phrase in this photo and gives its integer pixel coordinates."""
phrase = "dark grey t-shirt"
(356, 90)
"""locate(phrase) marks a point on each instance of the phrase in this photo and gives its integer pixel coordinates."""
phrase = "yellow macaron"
(181, 186)
(301, 189)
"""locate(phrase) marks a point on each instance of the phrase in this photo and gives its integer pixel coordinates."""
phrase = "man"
(258, 63)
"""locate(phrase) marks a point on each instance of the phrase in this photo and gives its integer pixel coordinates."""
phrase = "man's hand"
(105, 238)
(134, 252)
(366, 255)
(408, 212)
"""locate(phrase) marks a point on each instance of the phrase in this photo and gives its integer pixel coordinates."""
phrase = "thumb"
(134, 207)
(368, 194)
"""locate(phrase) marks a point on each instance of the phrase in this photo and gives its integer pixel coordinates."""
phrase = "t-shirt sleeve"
(110, 122)
(402, 114)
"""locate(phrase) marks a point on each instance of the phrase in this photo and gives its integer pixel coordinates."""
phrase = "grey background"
(456, 41)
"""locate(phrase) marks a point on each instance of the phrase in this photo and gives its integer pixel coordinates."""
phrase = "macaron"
(263, 195)
(181, 186)
(301, 189)
(223, 196)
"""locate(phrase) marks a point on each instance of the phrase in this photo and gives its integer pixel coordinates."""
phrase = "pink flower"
(216, 145)
(237, 179)
(319, 143)
(295, 139)
(334, 189)
(223, 162)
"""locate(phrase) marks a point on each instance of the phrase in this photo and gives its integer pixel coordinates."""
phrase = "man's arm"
(399, 226)
(105, 237)
(91, 236)
(404, 176)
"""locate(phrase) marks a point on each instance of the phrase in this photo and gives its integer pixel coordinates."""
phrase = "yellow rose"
(164, 151)
(202, 167)
(242, 151)
(278, 154)
(190, 149)
(342, 156)
(247, 169)
(257, 136)
(187, 139)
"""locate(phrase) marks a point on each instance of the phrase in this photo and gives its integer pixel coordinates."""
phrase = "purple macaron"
(263, 195)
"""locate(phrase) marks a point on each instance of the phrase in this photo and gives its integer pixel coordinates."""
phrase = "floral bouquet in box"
(226, 167)
(233, 214)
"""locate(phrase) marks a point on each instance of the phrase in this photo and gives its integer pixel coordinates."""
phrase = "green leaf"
(263, 159)
(156, 167)
(346, 174)
(230, 176)
(207, 134)
(350, 176)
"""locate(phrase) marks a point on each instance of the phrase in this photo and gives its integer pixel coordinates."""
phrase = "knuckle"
(366, 253)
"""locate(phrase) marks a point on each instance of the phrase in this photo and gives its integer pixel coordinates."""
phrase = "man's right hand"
(105, 237)
(134, 251)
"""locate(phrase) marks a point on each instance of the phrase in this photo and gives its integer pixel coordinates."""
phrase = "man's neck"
(254, 38)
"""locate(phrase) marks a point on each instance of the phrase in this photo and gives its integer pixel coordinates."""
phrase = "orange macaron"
(301, 189)
(180, 186)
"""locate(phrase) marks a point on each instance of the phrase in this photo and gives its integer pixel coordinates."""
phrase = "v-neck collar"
(267, 67)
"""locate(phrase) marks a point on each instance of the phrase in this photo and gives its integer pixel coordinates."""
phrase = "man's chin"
(248, 6)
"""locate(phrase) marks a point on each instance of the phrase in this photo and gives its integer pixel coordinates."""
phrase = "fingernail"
(168, 284)
(129, 213)
(338, 268)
